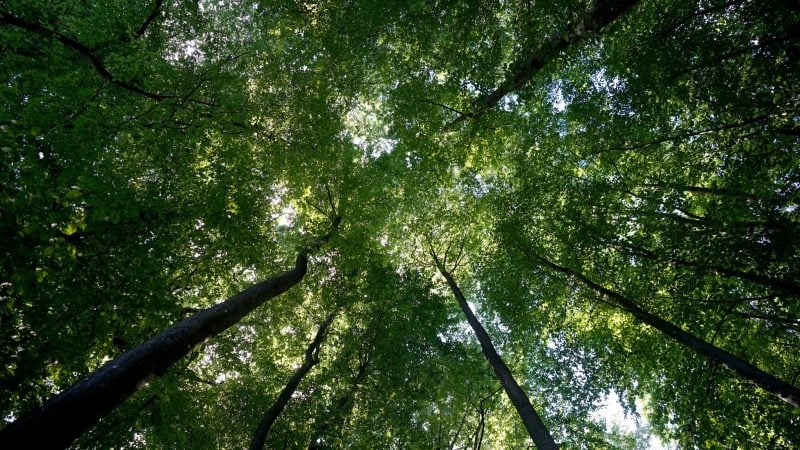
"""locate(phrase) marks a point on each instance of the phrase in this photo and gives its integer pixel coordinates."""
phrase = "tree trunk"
(58, 422)
(311, 360)
(536, 428)
(744, 369)
(602, 13)
(62, 419)
(340, 411)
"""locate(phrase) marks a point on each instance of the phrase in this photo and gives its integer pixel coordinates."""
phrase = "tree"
(74, 410)
(311, 359)
(769, 383)
(344, 404)
(161, 156)
(533, 423)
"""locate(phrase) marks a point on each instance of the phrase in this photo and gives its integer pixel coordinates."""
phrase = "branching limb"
(153, 14)
(527, 65)
(461, 253)
(442, 105)
(318, 208)
(330, 199)
(83, 50)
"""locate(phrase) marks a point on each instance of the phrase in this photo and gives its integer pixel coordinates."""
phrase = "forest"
(425, 224)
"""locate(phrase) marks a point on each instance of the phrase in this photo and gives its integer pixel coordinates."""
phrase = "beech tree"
(310, 359)
(621, 178)
(74, 410)
(533, 423)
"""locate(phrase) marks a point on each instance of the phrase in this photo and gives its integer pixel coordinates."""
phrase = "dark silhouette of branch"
(529, 64)
(83, 50)
(688, 134)
(150, 18)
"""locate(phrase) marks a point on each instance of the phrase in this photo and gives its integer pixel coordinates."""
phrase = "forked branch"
(83, 50)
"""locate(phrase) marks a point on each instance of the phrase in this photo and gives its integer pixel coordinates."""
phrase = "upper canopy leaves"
(158, 157)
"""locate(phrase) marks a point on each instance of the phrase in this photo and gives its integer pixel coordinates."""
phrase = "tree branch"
(83, 50)
(528, 65)
(150, 18)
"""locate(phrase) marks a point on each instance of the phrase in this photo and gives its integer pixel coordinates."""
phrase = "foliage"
(157, 157)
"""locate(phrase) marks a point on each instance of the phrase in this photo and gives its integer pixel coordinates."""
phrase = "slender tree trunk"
(62, 419)
(481, 428)
(779, 388)
(602, 13)
(341, 409)
(451, 441)
(536, 428)
(311, 360)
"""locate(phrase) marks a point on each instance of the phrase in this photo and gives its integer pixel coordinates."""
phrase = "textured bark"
(311, 360)
(528, 65)
(533, 423)
(60, 420)
(775, 386)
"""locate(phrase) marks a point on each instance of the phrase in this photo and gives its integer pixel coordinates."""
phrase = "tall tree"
(310, 359)
(533, 423)
(159, 156)
(531, 61)
(343, 405)
(779, 388)
(73, 411)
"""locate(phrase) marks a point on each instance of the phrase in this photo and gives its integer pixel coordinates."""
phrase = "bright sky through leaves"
(614, 186)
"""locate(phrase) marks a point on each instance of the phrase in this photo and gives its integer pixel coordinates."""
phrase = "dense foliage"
(157, 157)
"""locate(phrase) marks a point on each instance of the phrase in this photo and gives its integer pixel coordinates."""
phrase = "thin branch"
(85, 106)
(85, 51)
(461, 253)
(447, 252)
(195, 377)
(721, 321)
(452, 441)
(688, 134)
(319, 209)
(431, 102)
(149, 19)
(330, 199)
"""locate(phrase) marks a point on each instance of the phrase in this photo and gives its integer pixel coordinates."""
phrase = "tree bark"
(775, 386)
(62, 419)
(602, 13)
(533, 423)
(311, 360)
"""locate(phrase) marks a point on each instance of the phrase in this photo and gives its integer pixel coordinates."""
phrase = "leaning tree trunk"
(775, 386)
(341, 409)
(62, 419)
(311, 360)
(533, 423)
(527, 65)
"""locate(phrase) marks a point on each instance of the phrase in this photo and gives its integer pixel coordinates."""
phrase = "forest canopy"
(420, 224)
